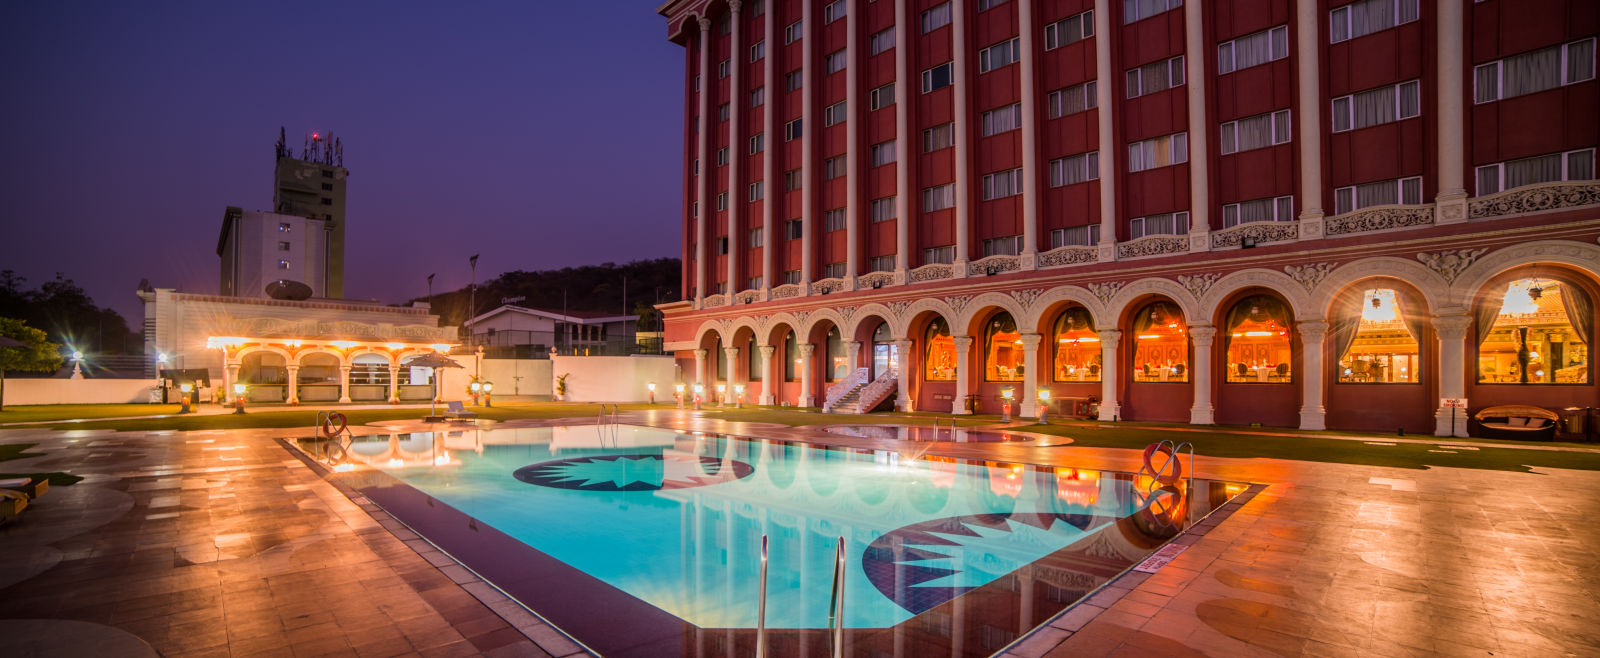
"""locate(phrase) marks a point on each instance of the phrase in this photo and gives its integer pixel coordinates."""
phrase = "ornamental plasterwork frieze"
(1068, 256)
(1379, 219)
(898, 308)
(1105, 291)
(1261, 232)
(826, 286)
(1025, 298)
(800, 318)
(1450, 264)
(932, 272)
(786, 291)
(1153, 245)
(996, 264)
(844, 313)
(748, 297)
(713, 301)
(1309, 275)
(1198, 284)
(874, 279)
(313, 329)
(957, 303)
(1549, 196)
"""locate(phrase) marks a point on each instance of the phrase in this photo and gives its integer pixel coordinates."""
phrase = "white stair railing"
(842, 387)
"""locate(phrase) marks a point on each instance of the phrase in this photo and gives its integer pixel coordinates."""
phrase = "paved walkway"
(221, 543)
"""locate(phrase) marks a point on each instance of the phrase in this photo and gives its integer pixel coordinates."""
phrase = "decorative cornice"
(786, 291)
(713, 301)
(1451, 263)
(874, 280)
(826, 286)
(1198, 284)
(1382, 218)
(1309, 275)
(747, 297)
(1261, 232)
(1536, 198)
(996, 264)
(1105, 290)
(1153, 245)
(1063, 256)
(932, 272)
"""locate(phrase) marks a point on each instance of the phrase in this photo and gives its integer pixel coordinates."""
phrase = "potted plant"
(561, 386)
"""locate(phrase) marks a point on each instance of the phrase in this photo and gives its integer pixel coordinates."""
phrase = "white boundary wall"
(615, 378)
(534, 374)
(78, 391)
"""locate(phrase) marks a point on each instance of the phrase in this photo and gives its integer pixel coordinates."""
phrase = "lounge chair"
(455, 411)
(32, 487)
(11, 504)
(1517, 421)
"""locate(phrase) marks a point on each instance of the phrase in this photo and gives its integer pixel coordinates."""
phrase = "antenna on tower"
(281, 150)
(338, 148)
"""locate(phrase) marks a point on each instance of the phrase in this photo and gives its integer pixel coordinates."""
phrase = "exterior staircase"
(857, 395)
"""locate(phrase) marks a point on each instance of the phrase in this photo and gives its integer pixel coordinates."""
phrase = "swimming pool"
(932, 434)
(604, 527)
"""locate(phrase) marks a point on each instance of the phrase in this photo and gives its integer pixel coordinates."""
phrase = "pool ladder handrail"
(761, 604)
(1176, 450)
(836, 601)
(937, 424)
(602, 423)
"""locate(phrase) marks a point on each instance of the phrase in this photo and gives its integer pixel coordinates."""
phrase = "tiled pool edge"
(1047, 636)
(537, 629)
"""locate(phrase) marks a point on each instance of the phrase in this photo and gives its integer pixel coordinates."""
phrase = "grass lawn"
(14, 451)
(41, 412)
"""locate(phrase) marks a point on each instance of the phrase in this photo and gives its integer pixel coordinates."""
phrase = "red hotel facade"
(1299, 213)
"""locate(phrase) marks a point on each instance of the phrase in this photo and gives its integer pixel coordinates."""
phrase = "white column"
(852, 151)
(1029, 407)
(808, 397)
(1105, 81)
(903, 349)
(344, 383)
(730, 366)
(738, 148)
(702, 182)
(394, 383)
(1031, 199)
(904, 78)
(294, 383)
(1313, 415)
(808, 158)
(963, 155)
(230, 374)
(1109, 372)
(769, 383)
(852, 354)
(1308, 76)
(1203, 412)
(1195, 56)
(963, 374)
(769, 159)
(1452, 199)
(1452, 332)
(700, 368)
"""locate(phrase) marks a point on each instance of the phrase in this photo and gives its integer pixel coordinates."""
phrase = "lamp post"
(488, 394)
(678, 394)
(699, 392)
(161, 364)
(238, 398)
(1044, 405)
(652, 388)
(738, 389)
(77, 364)
(186, 387)
(722, 394)
(476, 388)
(1007, 394)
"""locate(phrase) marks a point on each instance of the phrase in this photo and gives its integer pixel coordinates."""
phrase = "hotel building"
(1298, 213)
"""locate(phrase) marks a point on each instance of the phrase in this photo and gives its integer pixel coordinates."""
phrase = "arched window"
(1535, 331)
(885, 356)
(1259, 347)
(318, 368)
(263, 368)
(1077, 347)
(718, 371)
(1161, 344)
(1375, 332)
(838, 365)
(791, 356)
(753, 360)
(1002, 350)
(939, 353)
(370, 369)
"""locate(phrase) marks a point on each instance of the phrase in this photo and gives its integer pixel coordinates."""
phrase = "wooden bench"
(454, 410)
(1517, 421)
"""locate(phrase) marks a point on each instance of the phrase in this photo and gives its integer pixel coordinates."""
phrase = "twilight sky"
(540, 133)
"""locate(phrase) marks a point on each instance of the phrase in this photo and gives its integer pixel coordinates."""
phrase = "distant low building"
(531, 333)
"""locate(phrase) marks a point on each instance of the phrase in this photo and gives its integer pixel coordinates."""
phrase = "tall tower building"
(312, 186)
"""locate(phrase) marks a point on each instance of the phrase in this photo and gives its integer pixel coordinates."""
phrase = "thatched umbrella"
(433, 360)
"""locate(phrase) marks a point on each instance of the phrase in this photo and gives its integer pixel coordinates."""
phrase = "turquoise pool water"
(676, 518)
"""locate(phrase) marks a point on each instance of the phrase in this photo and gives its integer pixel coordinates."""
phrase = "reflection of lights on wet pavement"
(344, 468)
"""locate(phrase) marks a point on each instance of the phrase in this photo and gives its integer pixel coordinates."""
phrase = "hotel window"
(1069, 30)
(793, 229)
(936, 78)
(834, 114)
(791, 277)
(1001, 54)
(883, 209)
(327, 187)
(326, 201)
(1075, 169)
(1158, 152)
(1535, 330)
(985, 5)
(1359, 19)
(724, 25)
(327, 173)
(1280, 209)
(695, 167)
(722, 250)
(881, 97)
(1260, 131)
(1380, 193)
(792, 180)
(792, 130)
(835, 61)
(697, 83)
(1003, 119)
(1002, 350)
(1077, 236)
(834, 11)
(881, 41)
(283, 264)
(938, 137)
(1155, 76)
(793, 31)
(1537, 71)
(758, 96)
(1002, 184)
(833, 220)
(791, 347)
(757, 238)
(758, 50)
(722, 69)
(939, 357)
(283, 246)
(1253, 50)
(1009, 245)
(757, 8)
(833, 271)
(758, 190)
(835, 167)
(1134, 10)
(881, 263)
(939, 255)
(1376, 332)
(939, 197)
(722, 156)
(1572, 165)
(1169, 223)
(936, 18)
(758, 143)
(753, 283)
(722, 201)
(722, 112)
(794, 79)
(1377, 106)
(1072, 100)
(1258, 343)
(1161, 344)
(1077, 355)
(717, 289)
(883, 153)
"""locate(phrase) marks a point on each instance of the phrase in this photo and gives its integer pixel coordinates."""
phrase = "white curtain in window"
(1285, 208)
(1341, 114)
(1371, 16)
(1411, 190)
(1230, 134)
(1259, 210)
(1533, 170)
(1280, 126)
(1254, 132)
(1180, 148)
(1374, 107)
(1488, 179)
(1486, 85)
(1252, 50)
(1580, 61)
(1343, 200)
(1580, 165)
(1531, 72)
(1381, 193)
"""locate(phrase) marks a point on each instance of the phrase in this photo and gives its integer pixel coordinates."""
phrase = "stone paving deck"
(222, 543)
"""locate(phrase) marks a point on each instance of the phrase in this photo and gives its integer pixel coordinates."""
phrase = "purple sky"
(540, 134)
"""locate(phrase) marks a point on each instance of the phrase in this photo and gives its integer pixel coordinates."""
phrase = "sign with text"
(1452, 403)
(1160, 558)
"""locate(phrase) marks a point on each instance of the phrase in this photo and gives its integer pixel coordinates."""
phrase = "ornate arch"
(351, 358)
(984, 303)
(816, 317)
(300, 355)
(902, 325)
(772, 323)
(1292, 291)
(1042, 306)
(1435, 291)
(1126, 296)
(739, 323)
(866, 311)
(238, 357)
(719, 327)
(1473, 277)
